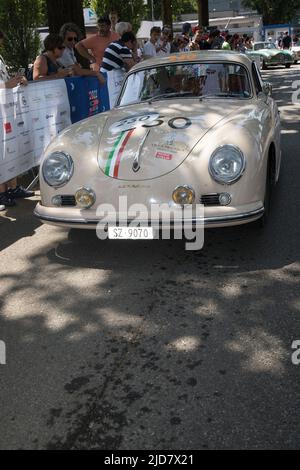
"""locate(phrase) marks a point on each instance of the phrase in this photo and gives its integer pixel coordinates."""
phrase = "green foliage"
(274, 11)
(133, 11)
(18, 21)
(179, 7)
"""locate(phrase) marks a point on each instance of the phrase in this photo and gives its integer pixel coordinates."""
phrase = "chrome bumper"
(222, 221)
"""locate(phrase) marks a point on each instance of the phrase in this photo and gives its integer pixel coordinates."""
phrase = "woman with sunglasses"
(70, 33)
(46, 66)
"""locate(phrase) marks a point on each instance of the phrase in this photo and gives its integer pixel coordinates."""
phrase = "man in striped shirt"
(118, 55)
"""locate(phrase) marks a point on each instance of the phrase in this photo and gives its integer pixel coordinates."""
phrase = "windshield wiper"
(223, 95)
(177, 94)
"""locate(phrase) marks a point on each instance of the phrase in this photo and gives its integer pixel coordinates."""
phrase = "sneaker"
(2, 208)
(20, 193)
(7, 200)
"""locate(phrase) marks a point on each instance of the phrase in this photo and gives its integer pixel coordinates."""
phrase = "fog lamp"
(184, 195)
(85, 198)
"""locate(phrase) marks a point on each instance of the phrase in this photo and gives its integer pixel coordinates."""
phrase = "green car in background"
(269, 55)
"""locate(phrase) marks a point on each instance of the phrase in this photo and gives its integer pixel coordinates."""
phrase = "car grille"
(210, 200)
(68, 201)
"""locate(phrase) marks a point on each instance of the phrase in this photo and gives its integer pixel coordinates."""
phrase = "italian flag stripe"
(120, 153)
(112, 153)
(115, 156)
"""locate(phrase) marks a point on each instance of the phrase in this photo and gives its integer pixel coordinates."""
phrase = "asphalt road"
(122, 346)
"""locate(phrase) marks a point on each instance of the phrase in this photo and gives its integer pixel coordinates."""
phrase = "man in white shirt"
(164, 42)
(151, 48)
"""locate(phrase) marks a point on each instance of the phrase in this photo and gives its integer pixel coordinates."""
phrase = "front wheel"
(287, 66)
(262, 222)
(264, 66)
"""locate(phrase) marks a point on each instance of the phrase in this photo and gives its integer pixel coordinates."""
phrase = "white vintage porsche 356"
(198, 128)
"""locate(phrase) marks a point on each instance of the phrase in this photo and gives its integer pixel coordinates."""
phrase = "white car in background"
(296, 52)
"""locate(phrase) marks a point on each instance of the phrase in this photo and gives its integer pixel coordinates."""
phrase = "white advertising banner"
(30, 117)
(115, 80)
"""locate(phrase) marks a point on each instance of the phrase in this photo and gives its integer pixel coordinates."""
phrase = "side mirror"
(267, 89)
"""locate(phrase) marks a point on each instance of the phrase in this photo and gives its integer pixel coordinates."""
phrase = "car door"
(270, 115)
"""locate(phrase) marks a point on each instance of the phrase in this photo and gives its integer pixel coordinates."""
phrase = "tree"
(64, 11)
(203, 13)
(19, 20)
(178, 8)
(167, 12)
(133, 11)
(274, 11)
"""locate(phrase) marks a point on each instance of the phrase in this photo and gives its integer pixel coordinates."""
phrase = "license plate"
(130, 233)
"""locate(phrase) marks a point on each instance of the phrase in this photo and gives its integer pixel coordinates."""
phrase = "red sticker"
(164, 156)
(7, 127)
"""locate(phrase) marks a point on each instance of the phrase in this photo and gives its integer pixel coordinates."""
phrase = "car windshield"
(190, 80)
(264, 45)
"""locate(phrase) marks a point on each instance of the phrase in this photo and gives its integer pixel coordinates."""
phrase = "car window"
(264, 45)
(190, 80)
(258, 82)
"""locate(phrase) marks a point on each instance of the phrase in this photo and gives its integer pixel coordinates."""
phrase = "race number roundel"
(180, 123)
(133, 122)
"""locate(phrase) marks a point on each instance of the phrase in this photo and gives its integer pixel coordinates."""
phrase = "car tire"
(264, 66)
(270, 183)
(287, 66)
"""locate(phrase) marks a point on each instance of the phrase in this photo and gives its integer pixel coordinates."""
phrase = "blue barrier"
(87, 97)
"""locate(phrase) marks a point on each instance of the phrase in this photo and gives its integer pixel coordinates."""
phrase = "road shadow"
(150, 348)
(18, 222)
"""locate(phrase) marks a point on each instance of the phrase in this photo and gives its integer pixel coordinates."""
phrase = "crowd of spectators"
(202, 40)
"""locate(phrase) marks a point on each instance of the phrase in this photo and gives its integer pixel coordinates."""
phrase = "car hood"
(273, 52)
(139, 144)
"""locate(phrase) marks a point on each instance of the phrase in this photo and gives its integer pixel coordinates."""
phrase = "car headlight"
(58, 169)
(227, 164)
